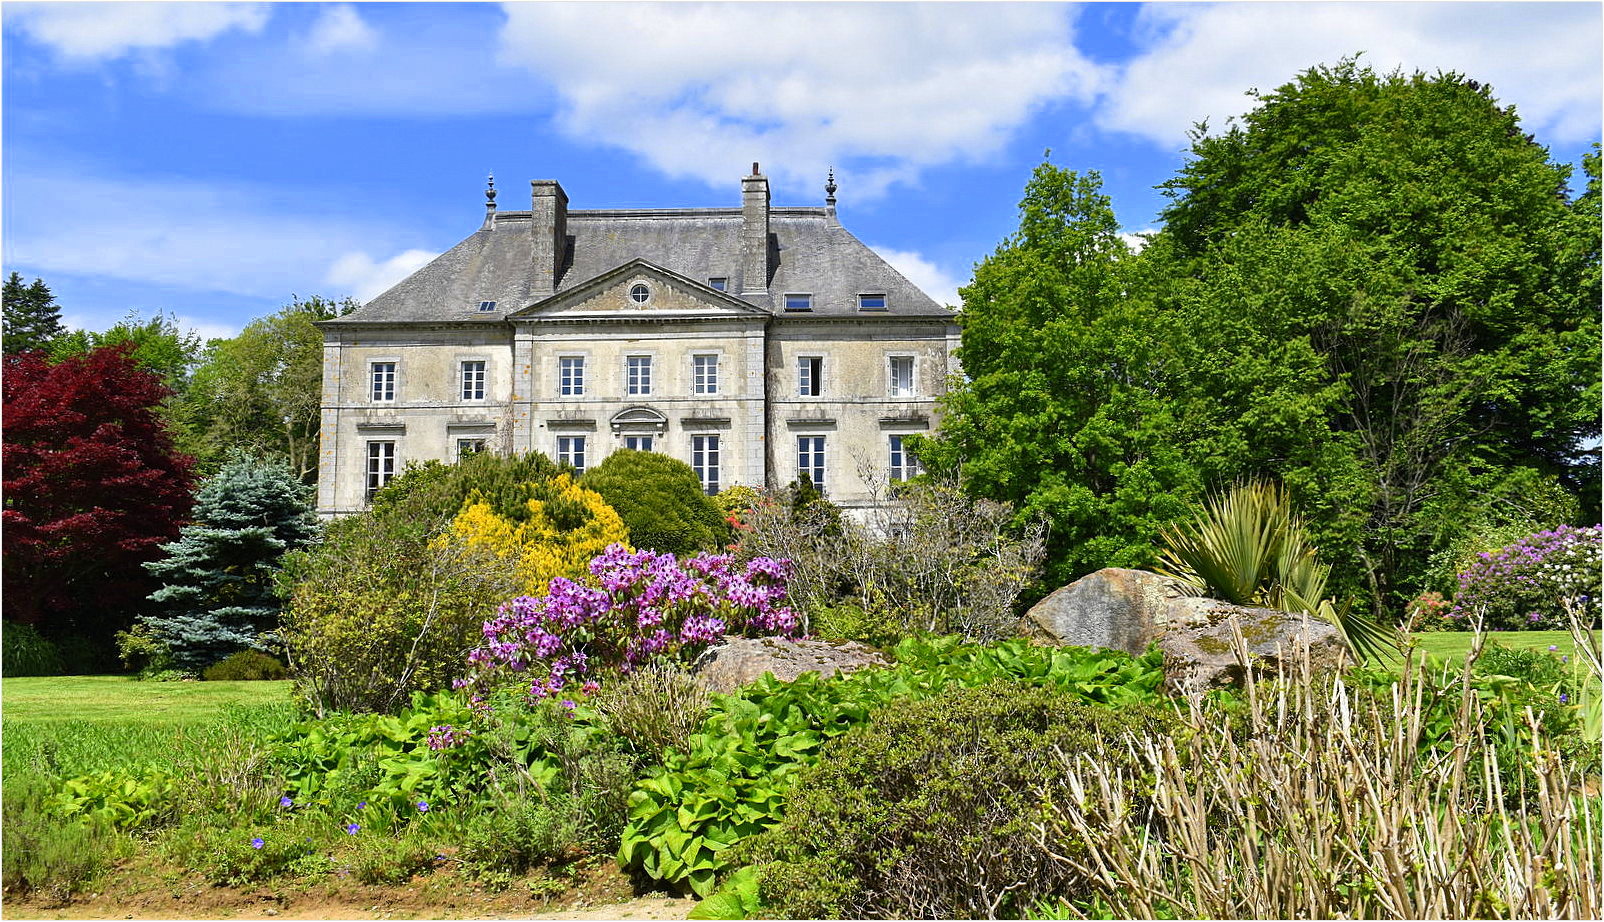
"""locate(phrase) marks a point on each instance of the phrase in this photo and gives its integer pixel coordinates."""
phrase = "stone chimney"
(754, 233)
(548, 232)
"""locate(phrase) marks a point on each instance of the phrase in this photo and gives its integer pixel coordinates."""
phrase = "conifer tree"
(32, 319)
(218, 593)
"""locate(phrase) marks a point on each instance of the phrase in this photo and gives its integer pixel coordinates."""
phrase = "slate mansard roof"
(809, 252)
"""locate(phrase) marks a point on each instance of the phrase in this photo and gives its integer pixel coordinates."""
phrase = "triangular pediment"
(638, 288)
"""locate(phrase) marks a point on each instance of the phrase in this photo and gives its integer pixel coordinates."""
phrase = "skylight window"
(720, 284)
(798, 302)
(871, 302)
(487, 305)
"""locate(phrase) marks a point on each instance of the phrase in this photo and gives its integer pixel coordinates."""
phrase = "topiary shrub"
(928, 812)
(661, 502)
(246, 666)
(23, 652)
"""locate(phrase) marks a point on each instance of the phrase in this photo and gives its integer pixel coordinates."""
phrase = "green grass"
(64, 726)
(1455, 645)
(123, 700)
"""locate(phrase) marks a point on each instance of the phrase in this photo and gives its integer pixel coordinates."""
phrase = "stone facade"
(746, 342)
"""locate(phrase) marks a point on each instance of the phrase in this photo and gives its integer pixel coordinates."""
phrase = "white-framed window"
(571, 450)
(638, 442)
(638, 374)
(704, 374)
(381, 466)
(466, 447)
(810, 375)
(383, 377)
(571, 376)
(876, 302)
(640, 293)
(704, 459)
(899, 376)
(473, 380)
(718, 283)
(795, 301)
(810, 459)
(903, 463)
(487, 306)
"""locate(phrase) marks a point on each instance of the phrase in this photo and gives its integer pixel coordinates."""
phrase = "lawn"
(1456, 644)
(72, 725)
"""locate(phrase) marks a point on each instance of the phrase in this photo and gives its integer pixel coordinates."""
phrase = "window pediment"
(639, 420)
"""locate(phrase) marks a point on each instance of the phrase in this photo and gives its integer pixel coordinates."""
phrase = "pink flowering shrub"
(1529, 584)
(644, 606)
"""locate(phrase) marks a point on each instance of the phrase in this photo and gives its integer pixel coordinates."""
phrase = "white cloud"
(1200, 59)
(930, 278)
(102, 31)
(879, 90)
(238, 239)
(364, 278)
(1136, 241)
(340, 28)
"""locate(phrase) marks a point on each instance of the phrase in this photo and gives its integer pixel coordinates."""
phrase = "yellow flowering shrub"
(564, 527)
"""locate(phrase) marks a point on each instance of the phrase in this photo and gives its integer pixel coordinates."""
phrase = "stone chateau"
(756, 344)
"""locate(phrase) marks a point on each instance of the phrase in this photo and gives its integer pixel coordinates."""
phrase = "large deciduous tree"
(31, 318)
(93, 485)
(1428, 252)
(158, 344)
(262, 390)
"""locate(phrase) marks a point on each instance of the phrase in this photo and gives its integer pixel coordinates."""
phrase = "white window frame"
(387, 394)
(473, 376)
(570, 385)
(719, 283)
(640, 442)
(381, 464)
(891, 375)
(638, 385)
(902, 463)
(810, 459)
(705, 461)
(806, 296)
(571, 450)
(466, 443)
(704, 373)
(885, 302)
(810, 376)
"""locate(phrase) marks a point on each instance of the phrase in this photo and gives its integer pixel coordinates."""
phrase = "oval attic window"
(639, 293)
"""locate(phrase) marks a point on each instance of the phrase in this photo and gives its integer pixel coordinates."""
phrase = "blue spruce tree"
(218, 593)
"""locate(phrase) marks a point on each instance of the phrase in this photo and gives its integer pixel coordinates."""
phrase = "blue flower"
(362, 806)
(285, 801)
(257, 843)
(352, 829)
(423, 806)
(1564, 698)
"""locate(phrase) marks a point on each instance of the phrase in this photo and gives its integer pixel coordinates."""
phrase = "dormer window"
(872, 302)
(485, 306)
(798, 302)
(639, 293)
(718, 284)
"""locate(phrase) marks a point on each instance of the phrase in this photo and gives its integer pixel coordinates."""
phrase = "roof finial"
(829, 188)
(490, 201)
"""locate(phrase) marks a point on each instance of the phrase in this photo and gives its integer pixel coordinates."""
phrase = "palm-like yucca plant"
(1247, 547)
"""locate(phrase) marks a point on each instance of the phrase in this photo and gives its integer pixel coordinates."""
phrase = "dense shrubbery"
(393, 599)
(931, 561)
(661, 502)
(1533, 583)
(246, 666)
(931, 811)
(648, 606)
(26, 652)
(730, 780)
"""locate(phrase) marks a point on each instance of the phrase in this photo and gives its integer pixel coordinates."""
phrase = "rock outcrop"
(740, 660)
(1200, 649)
(1113, 608)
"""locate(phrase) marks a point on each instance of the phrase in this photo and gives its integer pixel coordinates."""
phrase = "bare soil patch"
(140, 892)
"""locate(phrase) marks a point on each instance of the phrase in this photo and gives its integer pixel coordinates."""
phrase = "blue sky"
(211, 160)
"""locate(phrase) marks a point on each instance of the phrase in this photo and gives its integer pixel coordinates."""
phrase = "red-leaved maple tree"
(92, 486)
